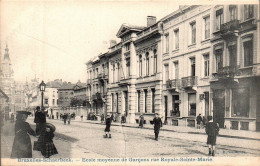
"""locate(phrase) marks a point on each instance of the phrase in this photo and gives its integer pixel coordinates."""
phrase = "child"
(107, 129)
(46, 138)
(212, 130)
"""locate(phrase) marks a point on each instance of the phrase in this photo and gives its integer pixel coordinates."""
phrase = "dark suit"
(157, 125)
(40, 120)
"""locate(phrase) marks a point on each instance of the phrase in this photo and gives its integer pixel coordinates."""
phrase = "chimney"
(112, 43)
(151, 20)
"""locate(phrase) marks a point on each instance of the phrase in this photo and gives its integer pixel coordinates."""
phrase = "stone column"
(131, 101)
(132, 60)
(141, 101)
(149, 100)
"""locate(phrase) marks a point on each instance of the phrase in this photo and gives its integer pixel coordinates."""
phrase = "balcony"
(89, 81)
(172, 84)
(189, 81)
(97, 96)
(103, 75)
(229, 28)
(227, 72)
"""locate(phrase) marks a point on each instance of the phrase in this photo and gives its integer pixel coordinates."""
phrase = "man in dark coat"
(199, 120)
(65, 116)
(212, 130)
(141, 123)
(108, 124)
(22, 147)
(40, 120)
(157, 125)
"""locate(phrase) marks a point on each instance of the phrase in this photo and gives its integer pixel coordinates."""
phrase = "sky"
(54, 39)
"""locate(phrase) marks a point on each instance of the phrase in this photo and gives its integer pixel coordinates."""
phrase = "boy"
(212, 130)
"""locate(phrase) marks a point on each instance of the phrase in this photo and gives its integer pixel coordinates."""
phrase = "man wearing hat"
(157, 125)
(40, 120)
(22, 147)
(108, 124)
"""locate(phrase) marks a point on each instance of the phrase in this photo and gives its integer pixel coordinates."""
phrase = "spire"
(6, 56)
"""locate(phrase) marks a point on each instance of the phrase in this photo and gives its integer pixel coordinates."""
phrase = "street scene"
(94, 82)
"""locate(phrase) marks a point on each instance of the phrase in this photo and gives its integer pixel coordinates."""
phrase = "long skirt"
(48, 149)
(211, 140)
(22, 146)
(107, 129)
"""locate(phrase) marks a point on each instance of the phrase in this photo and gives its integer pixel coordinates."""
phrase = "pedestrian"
(69, 118)
(57, 115)
(123, 119)
(112, 117)
(46, 139)
(81, 117)
(108, 124)
(102, 118)
(204, 121)
(65, 118)
(141, 123)
(12, 117)
(40, 120)
(157, 125)
(212, 130)
(61, 116)
(199, 120)
(22, 147)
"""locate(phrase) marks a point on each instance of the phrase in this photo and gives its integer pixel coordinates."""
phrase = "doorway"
(219, 107)
(166, 108)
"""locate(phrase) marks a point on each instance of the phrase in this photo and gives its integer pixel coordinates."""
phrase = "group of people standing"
(66, 117)
(22, 147)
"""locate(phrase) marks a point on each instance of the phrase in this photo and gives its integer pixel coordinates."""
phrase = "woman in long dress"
(22, 146)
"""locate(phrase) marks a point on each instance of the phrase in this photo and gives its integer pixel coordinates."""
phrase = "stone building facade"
(199, 59)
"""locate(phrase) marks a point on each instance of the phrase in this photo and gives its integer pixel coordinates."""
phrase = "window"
(139, 102)
(118, 72)
(192, 104)
(193, 32)
(112, 101)
(145, 100)
(176, 36)
(46, 101)
(140, 65)
(53, 101)
(166, 68)
(153, 100)
(248, 11)
(114, 75)
(176, 67)
(127, 47)
(117, 103)
(207, 27)
(193, 66)
(128, 67)
(206, 65)
(233, 12)
(147, 64)
(219, 59)
(155, 61)
(219, 18)
(248, 53)
(166, 43)
(240, 102)
(232, 55)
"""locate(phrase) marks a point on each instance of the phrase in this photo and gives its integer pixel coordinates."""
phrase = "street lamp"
(42, 89)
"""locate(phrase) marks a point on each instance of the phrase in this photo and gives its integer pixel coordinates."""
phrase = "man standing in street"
(40, 120)
(157, 125)
(199, 120)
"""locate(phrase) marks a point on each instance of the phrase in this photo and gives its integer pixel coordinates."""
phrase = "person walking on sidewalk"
(212, 130)
(57, 115)
(65, 116)
(102, 118)
(69, 118)
(141, 123)
(157, 125)
(199, 120)
(108, 124)
(40, 120)
(22, 146)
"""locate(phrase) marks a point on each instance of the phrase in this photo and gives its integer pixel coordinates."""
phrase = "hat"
(23, 112)
(38, 107)
(51, 126)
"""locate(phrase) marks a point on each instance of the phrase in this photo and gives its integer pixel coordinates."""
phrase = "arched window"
(147, 64)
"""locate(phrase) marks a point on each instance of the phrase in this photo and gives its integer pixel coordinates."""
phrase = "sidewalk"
(239, 134)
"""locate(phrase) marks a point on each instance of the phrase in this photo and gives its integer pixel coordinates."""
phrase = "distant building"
(65, 94)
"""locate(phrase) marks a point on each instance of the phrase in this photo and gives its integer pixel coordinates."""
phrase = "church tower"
(7, 80)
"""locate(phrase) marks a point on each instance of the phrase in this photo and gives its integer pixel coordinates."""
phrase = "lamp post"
(42, 89)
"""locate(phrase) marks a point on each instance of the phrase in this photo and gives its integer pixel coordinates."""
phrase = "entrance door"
(126, 103)
(166, 108)
(219, 107)
(258, 109)
(206, 104)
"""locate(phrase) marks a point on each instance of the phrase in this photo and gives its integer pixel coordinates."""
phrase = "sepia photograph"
(120, 82)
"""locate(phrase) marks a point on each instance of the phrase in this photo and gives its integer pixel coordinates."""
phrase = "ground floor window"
(240, 102)
(192, 104)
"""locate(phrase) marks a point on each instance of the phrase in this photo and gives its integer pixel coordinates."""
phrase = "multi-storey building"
(235, 67)
(197, 60)
(65, 94)
(97, 81)
(20, 96)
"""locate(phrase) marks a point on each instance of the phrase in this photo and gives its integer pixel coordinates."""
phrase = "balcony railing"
(172, 84)
(89, 81)
(97, 96)
(227, 71)
(229, 27)
(103, 75)
(189, 81)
